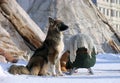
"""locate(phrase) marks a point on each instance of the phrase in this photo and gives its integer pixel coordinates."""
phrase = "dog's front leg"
(53, 69)
(58, 68)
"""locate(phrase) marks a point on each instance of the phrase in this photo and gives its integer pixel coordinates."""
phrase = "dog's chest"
(60, 46)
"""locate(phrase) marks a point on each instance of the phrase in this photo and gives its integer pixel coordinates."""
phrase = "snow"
(106, 69)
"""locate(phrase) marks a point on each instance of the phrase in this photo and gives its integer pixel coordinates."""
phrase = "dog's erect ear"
(51, 21)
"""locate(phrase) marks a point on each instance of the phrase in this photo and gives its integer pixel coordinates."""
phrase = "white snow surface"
(106, 69)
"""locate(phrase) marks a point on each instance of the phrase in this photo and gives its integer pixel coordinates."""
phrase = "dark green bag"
(83, 60)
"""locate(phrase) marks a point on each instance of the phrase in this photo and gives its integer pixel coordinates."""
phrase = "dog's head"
(57, 25)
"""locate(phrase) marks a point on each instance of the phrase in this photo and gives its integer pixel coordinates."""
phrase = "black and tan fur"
(18, 70)
(50, 52)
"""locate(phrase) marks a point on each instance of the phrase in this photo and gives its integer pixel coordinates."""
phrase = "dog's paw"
(60, 74)
(54, 75)
(63, 69)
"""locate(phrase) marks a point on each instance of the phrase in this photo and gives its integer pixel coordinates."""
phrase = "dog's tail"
(14, 69)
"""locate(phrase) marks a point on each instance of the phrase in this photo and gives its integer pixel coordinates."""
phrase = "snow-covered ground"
(106, 70)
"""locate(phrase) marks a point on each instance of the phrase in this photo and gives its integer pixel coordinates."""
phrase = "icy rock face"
(81, 16)
(10, 40)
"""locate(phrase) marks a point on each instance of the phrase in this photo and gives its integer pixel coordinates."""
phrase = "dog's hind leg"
(35, 69)
(44, 70)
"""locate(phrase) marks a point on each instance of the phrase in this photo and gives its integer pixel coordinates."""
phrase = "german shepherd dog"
(49, 54)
